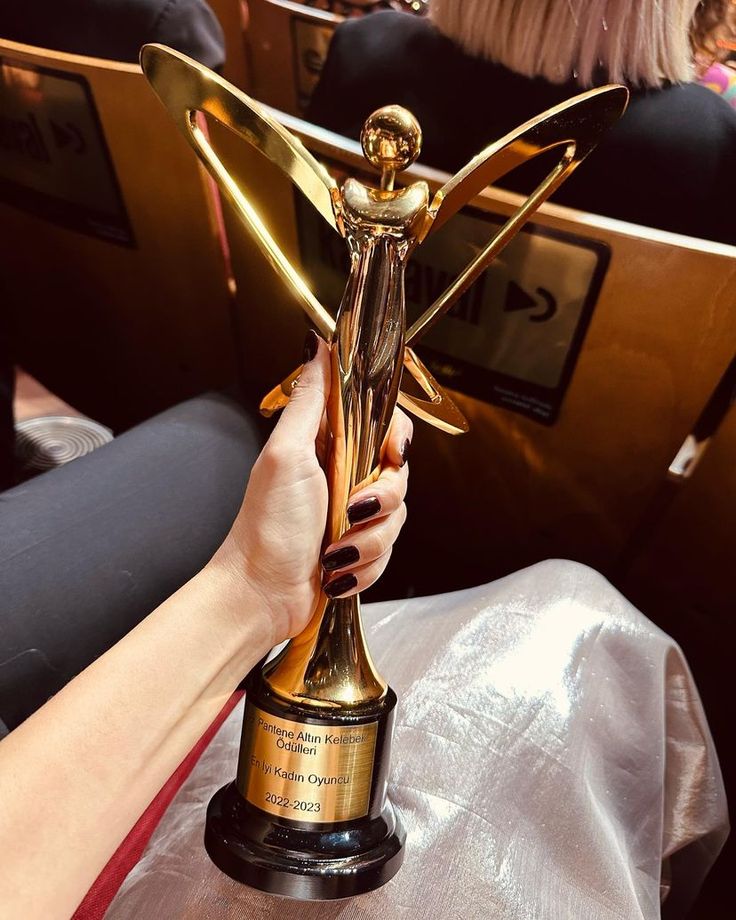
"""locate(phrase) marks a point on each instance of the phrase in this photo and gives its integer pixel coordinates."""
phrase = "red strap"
(106, 886)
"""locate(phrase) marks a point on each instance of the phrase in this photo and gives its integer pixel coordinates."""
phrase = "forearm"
(97, 753)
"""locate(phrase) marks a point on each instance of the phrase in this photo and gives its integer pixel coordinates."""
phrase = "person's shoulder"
(720, 113)
(688, 107)
(687, 128)
(697, 95)
(372, 61)
(191, 27)
(387, 33)
(164, 10)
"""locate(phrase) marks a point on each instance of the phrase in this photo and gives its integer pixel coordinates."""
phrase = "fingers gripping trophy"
(308, 815)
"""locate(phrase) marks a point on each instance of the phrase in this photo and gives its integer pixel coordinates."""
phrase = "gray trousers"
(88, 550)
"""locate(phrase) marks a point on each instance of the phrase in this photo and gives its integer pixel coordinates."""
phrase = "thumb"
(300, 420)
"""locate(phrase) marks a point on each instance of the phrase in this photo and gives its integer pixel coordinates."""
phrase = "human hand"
(276, 540)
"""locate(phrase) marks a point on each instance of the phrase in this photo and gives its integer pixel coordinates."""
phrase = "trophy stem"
(328, 665)
(308, 815)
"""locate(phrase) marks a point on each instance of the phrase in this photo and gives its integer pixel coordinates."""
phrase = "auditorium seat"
(287, 46)
(681, 574)
(112, 254)
(691, 538)
(237, 66)
(545, 471)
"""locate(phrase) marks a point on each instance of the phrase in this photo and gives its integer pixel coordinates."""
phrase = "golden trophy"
(308, 815)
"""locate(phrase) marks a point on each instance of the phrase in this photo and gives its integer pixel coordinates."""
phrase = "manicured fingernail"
(339, 558)
(341, 585)
(363, 509)
(311, 344)
(405, 450)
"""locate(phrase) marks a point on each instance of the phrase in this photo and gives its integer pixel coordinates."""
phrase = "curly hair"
(713, 20)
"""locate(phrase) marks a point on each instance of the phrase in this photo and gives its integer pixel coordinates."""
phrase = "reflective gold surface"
(328, 665)
(185, 88)
(391, 139)
(574, 127)
(306, 772)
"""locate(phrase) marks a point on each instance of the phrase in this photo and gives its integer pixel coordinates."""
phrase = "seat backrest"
(691, 539)
(287, 45)
(111, 250)
(582, 359)
(230, 16)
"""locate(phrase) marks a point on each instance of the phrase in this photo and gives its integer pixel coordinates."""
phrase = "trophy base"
(324, 865)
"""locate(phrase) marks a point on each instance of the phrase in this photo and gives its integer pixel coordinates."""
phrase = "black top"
(115, 29)
(669, 163)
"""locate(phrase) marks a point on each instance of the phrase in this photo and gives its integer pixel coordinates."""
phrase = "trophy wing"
(278, 397)
(186, 88)
(438, 409)
(574, 127)
(435, 407)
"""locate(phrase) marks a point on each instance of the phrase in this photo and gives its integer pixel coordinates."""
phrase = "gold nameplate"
(306, 772)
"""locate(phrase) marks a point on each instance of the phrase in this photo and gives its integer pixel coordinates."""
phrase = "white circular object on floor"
(50, 441)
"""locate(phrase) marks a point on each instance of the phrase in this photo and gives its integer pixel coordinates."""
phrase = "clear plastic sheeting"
(551, 754)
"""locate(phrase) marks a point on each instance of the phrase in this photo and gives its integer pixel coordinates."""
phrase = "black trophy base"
(293, 862)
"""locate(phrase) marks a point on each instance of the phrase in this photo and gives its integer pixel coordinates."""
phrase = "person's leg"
(88, 550)
(7, 382)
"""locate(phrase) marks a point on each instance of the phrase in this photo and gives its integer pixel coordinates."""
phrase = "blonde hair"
(640, 42)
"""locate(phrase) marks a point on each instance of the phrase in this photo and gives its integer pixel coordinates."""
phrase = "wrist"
(279, 608)
(238, 610)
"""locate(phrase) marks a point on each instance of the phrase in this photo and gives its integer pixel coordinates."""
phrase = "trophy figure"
(308, 815)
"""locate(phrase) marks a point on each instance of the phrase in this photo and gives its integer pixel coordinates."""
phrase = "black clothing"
(7, 389)
(88, 550)
(669, 163)
(7, 425)
(115, 29)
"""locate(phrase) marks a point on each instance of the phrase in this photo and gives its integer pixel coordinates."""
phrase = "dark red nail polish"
(311, 344)
(361, 510)
(341, 585)
(339, 558)
(405, 450)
